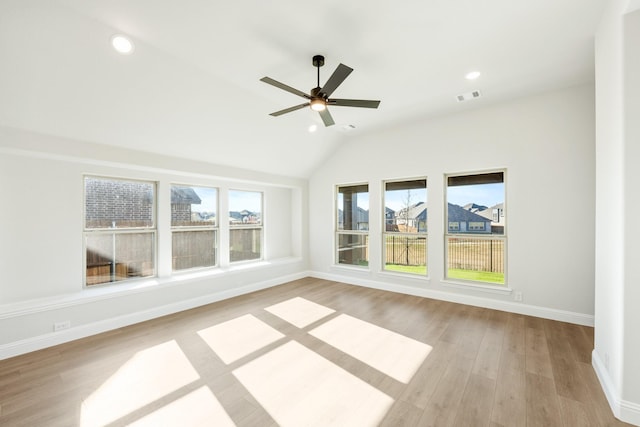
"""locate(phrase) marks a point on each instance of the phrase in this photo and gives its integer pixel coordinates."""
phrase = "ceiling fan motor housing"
(315, 93)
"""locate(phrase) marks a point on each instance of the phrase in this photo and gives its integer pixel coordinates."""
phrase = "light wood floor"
(485, 368)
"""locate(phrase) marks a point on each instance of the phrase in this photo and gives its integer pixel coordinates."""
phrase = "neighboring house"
(463, 221)
(243, 217)
(360, 219)
(181, 200)
(390, 220)
(413, 218)
(472, 207)
(108, 202)
(389, 215)
(496, 214)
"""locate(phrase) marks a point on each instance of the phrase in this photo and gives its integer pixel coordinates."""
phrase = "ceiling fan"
(319, 97)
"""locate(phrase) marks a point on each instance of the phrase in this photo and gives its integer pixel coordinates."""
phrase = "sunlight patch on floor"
(299, 311)
(390, 353)
(149, 375)
(239, 337)
(198, 408)
(299, 387)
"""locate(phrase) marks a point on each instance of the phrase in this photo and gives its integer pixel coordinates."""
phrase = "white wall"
(609, 281)
(41, 183)
(546, 144)
(616, 357)
(631, 386)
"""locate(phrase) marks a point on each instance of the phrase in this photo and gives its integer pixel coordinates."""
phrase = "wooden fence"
(476, 254)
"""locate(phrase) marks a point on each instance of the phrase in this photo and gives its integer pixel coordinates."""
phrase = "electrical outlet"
(59, 326)
(518, 296)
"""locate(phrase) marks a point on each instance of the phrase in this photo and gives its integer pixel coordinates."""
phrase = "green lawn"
(415, 269)
(479, 276)
(476, 276)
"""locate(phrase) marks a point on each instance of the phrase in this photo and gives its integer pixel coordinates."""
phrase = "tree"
(405, 213)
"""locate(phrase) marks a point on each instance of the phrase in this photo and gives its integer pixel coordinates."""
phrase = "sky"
(208, 197)
(482, 194)
(238, 200)
(241, 200)
(397, 199)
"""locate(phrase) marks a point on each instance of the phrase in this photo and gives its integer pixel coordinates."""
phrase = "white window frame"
(502, 238)
(259, 227)
(418, 234)
(89, 231)
(341, 232)
(214, 227)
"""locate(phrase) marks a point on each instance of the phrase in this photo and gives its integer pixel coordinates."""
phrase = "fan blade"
(290, 109)
(326, 117)
(364, 103)
(283, 86)
(338, 76)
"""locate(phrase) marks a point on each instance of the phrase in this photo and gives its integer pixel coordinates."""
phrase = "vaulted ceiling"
(191, 88)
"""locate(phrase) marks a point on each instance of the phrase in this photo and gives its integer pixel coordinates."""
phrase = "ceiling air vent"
(469, 95)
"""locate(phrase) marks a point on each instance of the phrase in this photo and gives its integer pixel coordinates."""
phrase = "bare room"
(319, 214)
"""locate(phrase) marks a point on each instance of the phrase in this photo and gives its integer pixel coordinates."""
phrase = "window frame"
(215, 227)
(342, 232)
(236, 227)
(475, 235)
(417, 234)
(97, 231)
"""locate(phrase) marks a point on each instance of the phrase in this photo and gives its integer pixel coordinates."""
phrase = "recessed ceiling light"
(313, 128)
(122, 44)
(472, 75)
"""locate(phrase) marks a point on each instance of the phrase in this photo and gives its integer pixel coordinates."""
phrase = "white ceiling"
(191, 88)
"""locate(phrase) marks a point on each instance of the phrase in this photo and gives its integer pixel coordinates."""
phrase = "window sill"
(115, 290)
(493, 289)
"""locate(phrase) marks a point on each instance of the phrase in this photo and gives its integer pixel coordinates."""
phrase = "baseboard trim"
(512, 307)
(630, 412)
(626, 411)
(54, 338)
(606, 383)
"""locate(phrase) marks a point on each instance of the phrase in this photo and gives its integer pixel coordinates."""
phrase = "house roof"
(473, 207)
(459, 214)
(192, 88)
(184, 195)
(361, 215)
(415, 211)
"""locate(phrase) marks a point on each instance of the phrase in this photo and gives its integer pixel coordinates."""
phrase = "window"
(352, 225)
(194, 233)
(245, 225)
(119, 229)
(405, 228)
(477, 225)
(476, 239)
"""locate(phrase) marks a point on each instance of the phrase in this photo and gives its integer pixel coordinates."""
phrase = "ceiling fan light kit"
(318, 104)
(319, 96)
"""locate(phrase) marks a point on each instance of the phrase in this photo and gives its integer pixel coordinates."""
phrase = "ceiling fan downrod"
(318, 61)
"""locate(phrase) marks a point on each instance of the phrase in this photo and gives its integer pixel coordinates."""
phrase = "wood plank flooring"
(484, 368)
